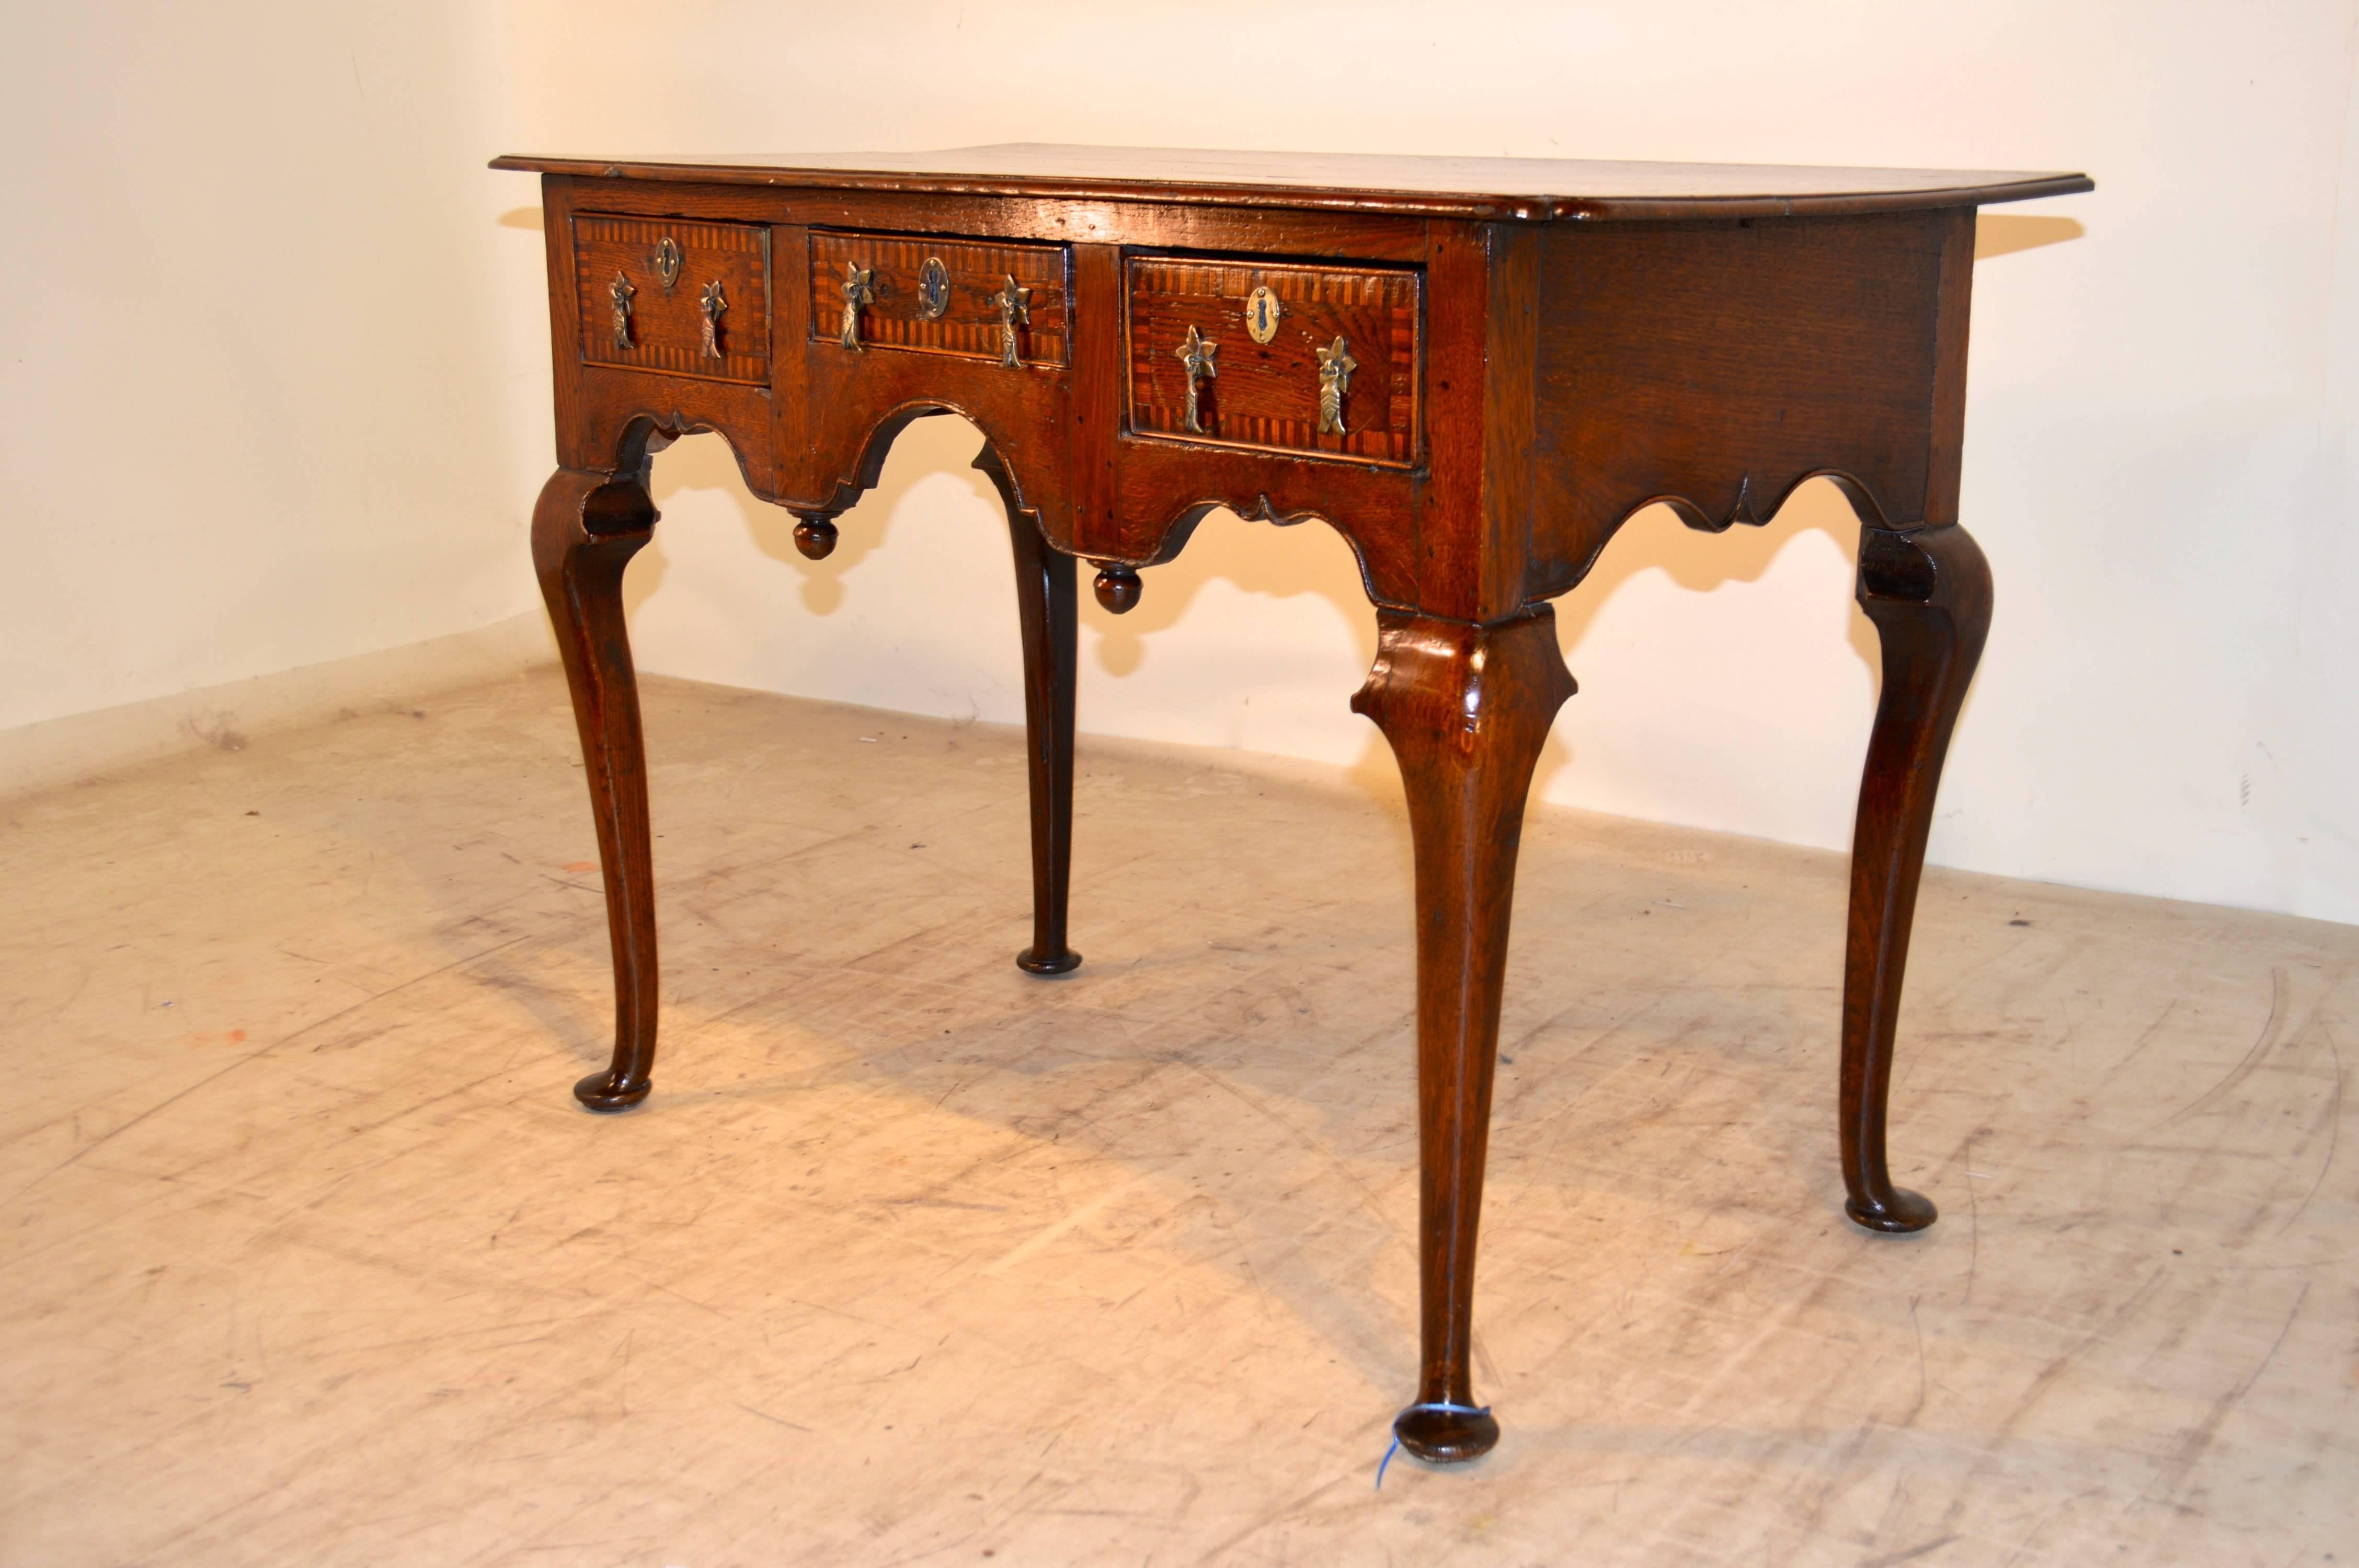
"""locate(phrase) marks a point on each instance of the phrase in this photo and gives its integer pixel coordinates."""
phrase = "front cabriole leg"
(585, 530)
(1929, 592)
(1466, 709)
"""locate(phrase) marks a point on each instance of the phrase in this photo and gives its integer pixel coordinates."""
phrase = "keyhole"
(1262, 311)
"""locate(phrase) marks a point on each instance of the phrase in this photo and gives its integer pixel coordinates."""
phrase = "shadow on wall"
(1227, 548)
(706, 463)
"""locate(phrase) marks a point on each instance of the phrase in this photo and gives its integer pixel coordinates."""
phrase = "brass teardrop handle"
(857, 291)
(1335, 367)
(620, 292)
(712, 307)
(1015, 314)
(1196, 358)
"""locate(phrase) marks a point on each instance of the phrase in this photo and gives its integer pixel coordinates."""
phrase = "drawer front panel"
(1269, 395)
(962, 316)
(665, 323)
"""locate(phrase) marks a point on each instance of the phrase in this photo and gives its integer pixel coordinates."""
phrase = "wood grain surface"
(668, 327)
(1267, 394)
(969, 327)
(1509, 188)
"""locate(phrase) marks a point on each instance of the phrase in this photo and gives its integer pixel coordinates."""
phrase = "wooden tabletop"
(1532, 188)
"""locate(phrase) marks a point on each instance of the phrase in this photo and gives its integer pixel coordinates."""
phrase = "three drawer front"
(677, 297)
(1338, 376)
(941, 296)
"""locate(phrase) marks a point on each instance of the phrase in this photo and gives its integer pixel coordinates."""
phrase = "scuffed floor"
(310, 1258)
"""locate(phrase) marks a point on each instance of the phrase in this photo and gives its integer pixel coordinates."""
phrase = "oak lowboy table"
(1475, 370)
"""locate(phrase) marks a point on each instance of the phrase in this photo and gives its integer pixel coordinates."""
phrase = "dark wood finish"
(1118, 588)
(1554, 345)
(815, 538)
(1716, 366)
(1466, 709)
(1267, 394)
(669, 322)
(970, 325)
(1048, 607)
(1928, 593)
(1521, 190)
(585, 530)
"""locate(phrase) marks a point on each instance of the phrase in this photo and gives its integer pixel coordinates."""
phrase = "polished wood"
(1466, 709)
(1928, 593)
(815, 538)
(1117, 587)
(970, 323)
(1536, 352)
(668, 324)
(1048, 609)
(1267, 394)
(585, 530)
(1660, 339)
(1530, 189)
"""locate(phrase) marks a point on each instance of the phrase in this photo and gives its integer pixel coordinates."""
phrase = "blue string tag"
(1424, 1405)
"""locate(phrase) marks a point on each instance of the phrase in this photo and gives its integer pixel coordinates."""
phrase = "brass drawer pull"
(1014, 314)
(711, 306)
(620, 292)
(1196, 358)
(857, 292)
(1335, 367)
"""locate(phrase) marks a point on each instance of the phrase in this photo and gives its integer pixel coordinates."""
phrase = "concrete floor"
(310, 1258)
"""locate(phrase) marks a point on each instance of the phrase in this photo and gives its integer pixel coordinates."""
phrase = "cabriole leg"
(1466, 709)
(584, 530)
(1929, 592)
(1048, 607)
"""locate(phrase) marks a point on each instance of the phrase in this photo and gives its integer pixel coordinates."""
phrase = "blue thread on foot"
(1423, 1405)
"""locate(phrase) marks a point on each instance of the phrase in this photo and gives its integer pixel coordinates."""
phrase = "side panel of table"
(1716, 366)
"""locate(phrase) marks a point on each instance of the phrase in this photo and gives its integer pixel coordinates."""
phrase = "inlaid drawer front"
(1320, 360)
(679, 297)
(973, 298)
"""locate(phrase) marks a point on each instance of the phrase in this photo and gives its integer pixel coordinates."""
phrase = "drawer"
(646, 287)
(931, 296)
(1357, 328)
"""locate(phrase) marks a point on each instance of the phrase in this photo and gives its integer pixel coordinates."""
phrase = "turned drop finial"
(815, 537)
(1117, 586)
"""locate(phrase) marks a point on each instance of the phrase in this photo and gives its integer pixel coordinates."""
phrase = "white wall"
(2158, 464)
(274, 387)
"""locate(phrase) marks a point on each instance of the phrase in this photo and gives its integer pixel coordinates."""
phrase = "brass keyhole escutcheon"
(1262, 311)
(933, 290)
(666, 260)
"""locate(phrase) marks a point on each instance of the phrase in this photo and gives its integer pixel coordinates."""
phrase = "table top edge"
(1564, 199)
